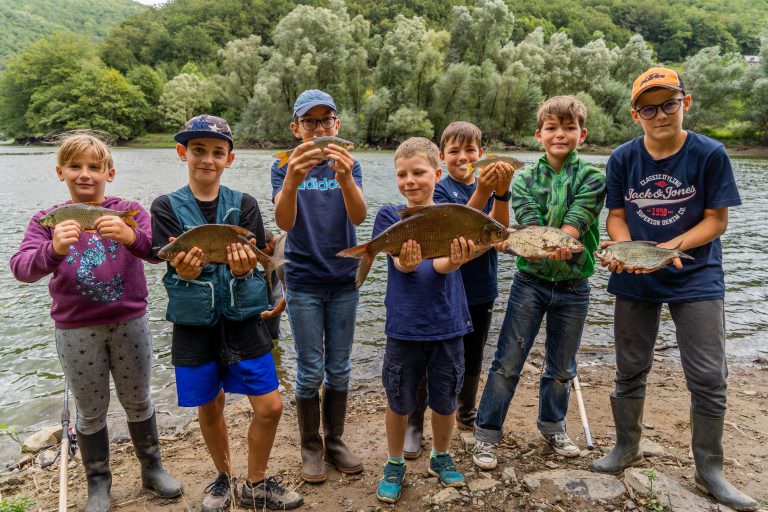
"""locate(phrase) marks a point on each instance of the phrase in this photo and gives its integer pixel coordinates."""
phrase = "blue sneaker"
(442, 466)
(391, 485)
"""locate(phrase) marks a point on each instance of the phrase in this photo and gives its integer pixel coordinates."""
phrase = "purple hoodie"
(99, 282)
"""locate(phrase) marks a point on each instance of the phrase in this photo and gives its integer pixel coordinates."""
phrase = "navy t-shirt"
(479, 275)
(422, 305)
(665, 198)
(322, 229)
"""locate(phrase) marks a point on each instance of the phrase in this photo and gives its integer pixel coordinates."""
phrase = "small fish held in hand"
(539, 241)
(479, 165)
(86, 214)
(640, 254)
(319, 142)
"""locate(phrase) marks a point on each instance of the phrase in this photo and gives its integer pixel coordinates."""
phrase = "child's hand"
(303, 159)
(241, 259)
(672, 244)
(114, 228)
(410, 256)
(487, 181)
(616, 265)
(65, 234)
(561, 254)
(341, 162)
(504, 174)
(462, 251)
(188, 264)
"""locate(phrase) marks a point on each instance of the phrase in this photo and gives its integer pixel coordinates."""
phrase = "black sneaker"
(218, 494)
(270, 493)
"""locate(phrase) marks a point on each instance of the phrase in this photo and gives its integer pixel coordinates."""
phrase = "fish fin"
(646, 242)
(358, 251)
(128, 218)
(516, 227)
(93, 203)
(410, 212)
(283, 156)
(681, 254)
(242, 231)
(89, 230)
(366, 262)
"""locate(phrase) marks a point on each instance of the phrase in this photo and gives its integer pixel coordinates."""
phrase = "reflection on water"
(30, 374)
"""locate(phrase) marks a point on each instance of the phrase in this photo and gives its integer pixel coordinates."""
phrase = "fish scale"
(640, 254)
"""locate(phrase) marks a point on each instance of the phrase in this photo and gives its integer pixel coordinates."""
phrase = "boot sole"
(412, 455)
(165, 497)
(354, 470)
(633, 464)
(707, 492)
(314, 479)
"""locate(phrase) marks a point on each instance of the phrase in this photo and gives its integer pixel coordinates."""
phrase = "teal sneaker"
(444, 469)
(391, 485)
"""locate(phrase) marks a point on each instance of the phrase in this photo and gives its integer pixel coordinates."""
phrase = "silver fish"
(479, 165)
(319, 142)
(640, 254)
(539, 241)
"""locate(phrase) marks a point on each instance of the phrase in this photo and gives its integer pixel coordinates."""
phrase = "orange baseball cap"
(656, 77)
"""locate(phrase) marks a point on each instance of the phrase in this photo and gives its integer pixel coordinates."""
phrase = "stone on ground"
(483, 484)
(447, 495)
(50, 435)
(652, 448)
(585, 484)
(668, 490)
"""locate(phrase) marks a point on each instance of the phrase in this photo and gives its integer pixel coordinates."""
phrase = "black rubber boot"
(466, 412)
(147, 445)
(94, 450)
(707, 445)
(628, 417)
(336, 452)
(312, 463)
(415, 429)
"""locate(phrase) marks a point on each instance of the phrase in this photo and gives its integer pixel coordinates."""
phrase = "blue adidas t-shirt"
(663, 199)
(479, 275)
(422, 305)
(321, 230)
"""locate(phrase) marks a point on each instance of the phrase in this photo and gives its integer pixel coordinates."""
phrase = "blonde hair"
(562, 107)
(419, 146)
(73, 144)
(461, 132)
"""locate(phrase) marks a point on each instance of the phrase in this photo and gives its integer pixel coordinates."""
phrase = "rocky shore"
(529, 477)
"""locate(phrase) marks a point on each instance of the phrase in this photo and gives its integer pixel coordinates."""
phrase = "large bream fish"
(85, 214)
(640, 254)
(319, 142)
(213, 239)
(539, 241)
(433, 227)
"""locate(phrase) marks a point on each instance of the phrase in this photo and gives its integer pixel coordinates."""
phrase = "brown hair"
(562, 107)
(75, 144)
(461, 132)
(419, 146)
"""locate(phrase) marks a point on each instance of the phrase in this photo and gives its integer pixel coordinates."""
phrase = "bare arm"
(713, 225)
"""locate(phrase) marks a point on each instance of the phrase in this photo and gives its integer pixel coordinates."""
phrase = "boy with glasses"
(318, 200)
(672, 186)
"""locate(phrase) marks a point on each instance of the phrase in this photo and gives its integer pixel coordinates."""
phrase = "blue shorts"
(406, 363)
(198, 385)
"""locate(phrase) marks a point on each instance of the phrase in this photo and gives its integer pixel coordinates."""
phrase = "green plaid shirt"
(574, 196)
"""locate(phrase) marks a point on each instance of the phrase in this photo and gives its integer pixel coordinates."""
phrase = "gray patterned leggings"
(89, 354)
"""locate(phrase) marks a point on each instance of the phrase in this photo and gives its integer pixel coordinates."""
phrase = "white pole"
(582, 413)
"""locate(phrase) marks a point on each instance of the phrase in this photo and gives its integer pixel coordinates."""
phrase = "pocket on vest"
(248, 297)
(189, 302)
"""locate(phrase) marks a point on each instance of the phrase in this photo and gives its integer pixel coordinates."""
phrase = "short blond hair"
(76, 144)
(562, 107)
(461, 132)
(419, 146)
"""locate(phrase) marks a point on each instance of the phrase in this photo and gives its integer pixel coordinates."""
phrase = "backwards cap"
(310, 99)
(656, 77)
(205, 126)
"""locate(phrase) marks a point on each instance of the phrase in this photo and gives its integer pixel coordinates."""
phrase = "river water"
(31, 382)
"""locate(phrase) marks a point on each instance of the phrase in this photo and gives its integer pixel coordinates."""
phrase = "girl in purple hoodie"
(99, 295)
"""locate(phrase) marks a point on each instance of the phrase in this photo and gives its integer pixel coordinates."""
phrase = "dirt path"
(666, 423)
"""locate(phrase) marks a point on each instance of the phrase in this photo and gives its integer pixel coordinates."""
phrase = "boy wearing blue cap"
(318, 201)
(220, 342)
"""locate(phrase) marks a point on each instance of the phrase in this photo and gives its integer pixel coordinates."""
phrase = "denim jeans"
(323, 326)
(565, 303)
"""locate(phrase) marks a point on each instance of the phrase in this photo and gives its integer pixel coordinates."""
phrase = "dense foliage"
(396, 68)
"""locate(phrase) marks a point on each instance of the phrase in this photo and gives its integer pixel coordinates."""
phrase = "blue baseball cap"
(310, 99)
(205, 126)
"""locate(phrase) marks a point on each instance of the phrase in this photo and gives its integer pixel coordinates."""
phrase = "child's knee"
(268, 411)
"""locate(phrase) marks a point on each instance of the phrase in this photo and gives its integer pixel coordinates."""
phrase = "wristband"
(506, 196)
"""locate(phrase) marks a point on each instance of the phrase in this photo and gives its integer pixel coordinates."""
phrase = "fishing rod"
(68, 447)
(582, 412)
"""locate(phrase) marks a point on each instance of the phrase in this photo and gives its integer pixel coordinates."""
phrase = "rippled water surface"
(31, 382)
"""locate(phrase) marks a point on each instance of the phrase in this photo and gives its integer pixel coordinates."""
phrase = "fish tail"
(681, 254)
(358, 251)
(129, 219)
(272, 313)
(366, 262)
(283, 156)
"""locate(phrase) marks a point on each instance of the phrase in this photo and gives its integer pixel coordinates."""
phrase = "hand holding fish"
(241, 259)
(303, 158)
(341, 162)
(65, 234)
(640, 257)
(462, 251)
(504, 173)
(114, 228)
(487, 182)
(410, 256)
(188, 265)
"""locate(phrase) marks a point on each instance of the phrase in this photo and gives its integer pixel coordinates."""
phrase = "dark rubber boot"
(707, 445)
(466, 412)
(312, 464)
(336, 452)
(415, 429)
(147, 445)
(94, 449)
(628, 417)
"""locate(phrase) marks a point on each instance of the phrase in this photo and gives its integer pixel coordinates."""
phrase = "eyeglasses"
(669, 107)
(311, 124)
